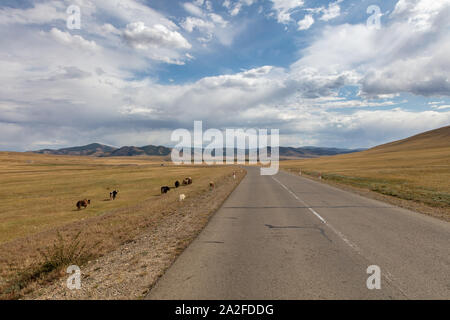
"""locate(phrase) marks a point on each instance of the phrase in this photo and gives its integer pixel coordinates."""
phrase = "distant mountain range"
(100, 150)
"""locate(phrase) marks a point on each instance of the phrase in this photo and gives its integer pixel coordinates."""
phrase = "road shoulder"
(439, 213)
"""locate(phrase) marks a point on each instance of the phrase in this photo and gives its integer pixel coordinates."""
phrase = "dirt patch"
(129, 271)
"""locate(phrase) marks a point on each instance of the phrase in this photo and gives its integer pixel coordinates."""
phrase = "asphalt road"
(287, 237)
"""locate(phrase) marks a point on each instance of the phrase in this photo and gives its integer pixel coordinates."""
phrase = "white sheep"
(182, 197)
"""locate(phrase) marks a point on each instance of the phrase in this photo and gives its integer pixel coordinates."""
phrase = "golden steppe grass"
(38, 214)
(415, 169)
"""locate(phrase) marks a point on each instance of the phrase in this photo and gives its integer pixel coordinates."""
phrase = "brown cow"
(83, 203)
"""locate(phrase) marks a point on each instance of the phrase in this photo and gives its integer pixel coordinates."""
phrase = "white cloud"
(208, 5)
(398, 58)
(306, 22)
(333, 11)
(107, 29)
(136, 110)
(141, 36)
(72, 40)
(218, 20)
(284, 9)
(39, 14)
(210, 24)
(192, 23)
(235, 7)
(123, 11)
(419, 13)
(328, 13)
(90, 76)
(353, 104)
(193, 9)
(379, 125)
(441, 107)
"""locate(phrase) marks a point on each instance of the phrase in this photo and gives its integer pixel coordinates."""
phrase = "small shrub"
(62, 254)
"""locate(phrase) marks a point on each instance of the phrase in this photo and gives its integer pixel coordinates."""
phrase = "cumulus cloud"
(235, 7)
(40, 13)
(84, 86)
(138, 35)
(285, 8)
(333, 11)
(419, 13)
(72, 40)
(398, 58)
(210, 25)
(327, 13)
(306, 22)
(192, 23)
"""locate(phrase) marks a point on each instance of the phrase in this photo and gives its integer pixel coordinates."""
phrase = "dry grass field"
(416, 169)
(39, 192)
(41, 229)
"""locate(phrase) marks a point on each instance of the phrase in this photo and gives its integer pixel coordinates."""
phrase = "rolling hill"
(416, 168)
(438, 138)
(313, 152)
(93, 149)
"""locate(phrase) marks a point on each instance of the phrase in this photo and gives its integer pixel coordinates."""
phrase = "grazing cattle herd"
(186, 181)
(164, 189)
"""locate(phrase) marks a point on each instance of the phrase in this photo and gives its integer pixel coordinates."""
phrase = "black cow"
(177, 184)
(165, 189)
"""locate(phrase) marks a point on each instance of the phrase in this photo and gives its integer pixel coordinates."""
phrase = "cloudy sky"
(323, 72)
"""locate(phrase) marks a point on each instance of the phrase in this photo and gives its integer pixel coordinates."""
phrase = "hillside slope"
(313, 152)
(438, 138)
(415, 169)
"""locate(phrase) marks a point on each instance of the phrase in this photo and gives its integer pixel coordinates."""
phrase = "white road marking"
(338, 233)
(389, 277)
(300, 200)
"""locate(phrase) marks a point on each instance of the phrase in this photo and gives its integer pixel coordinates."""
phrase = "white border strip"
(298, 199)
(389, 277)
(339, 234)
